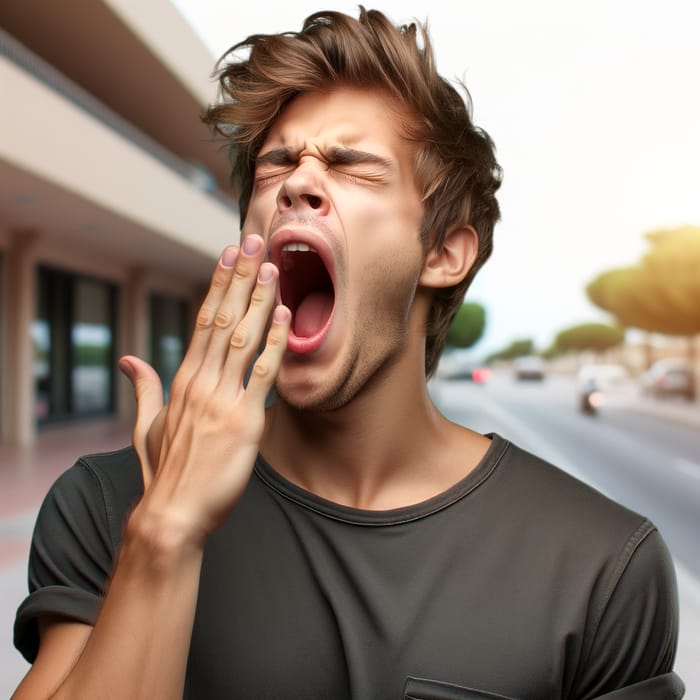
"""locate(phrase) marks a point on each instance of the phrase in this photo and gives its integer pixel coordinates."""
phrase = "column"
(17, 419)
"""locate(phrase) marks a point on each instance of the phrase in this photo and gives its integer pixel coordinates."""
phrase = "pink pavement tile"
(26, 473)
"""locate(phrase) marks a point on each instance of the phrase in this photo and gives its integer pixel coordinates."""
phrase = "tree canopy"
(518, 348)
(661, 294)
(468, 325)
(597, 337)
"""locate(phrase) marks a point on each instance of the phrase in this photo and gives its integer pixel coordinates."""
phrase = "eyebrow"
(336, 155)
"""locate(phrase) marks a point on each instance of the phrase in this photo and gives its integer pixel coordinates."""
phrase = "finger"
(246, 337)
(220, 283)
(267, 365)
(149, 401)
(233, 308)
(196, 350)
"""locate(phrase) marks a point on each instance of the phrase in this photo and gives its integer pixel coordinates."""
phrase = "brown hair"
(455, 163)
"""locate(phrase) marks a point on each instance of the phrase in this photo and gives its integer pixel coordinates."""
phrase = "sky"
(594, 108)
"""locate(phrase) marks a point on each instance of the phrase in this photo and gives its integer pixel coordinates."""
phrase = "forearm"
(140, 642)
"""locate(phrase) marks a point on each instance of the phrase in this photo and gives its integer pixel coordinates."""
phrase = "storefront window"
(73, 337)
(91, 347)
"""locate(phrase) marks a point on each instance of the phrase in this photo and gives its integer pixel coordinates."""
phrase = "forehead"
(342, 116)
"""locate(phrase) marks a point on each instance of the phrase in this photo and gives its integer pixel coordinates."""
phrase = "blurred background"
(578, 340)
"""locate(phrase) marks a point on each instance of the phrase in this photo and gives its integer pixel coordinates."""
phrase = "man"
(348, 541)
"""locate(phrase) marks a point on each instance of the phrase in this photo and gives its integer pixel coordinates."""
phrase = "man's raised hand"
(202, 445)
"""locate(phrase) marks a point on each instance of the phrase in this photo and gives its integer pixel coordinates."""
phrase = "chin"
(316, 391)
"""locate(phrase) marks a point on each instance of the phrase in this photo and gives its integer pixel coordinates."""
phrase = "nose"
(303, 191)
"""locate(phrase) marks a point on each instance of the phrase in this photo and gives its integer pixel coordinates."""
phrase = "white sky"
(595, 111)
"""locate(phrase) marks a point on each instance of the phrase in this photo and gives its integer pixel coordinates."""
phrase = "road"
(648, 462)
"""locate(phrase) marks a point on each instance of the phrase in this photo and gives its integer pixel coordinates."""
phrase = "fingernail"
(266, 272)
(127, 368)
(228, 257)
(281, 314)
(252, 244)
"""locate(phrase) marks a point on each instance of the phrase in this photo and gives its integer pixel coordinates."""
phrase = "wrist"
(162, 538)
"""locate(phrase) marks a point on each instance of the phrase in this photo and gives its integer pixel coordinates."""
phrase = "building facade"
(114, 203)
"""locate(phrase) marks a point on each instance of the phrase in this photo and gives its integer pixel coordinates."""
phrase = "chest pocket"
(425, 689)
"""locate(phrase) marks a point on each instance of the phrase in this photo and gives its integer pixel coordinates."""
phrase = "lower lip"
(305, 346)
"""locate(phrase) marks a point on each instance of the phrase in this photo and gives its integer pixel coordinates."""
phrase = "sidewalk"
(25, 476)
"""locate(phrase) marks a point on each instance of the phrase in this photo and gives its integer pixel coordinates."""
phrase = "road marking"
(687, 467)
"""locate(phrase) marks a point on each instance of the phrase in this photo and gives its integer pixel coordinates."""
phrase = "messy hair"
(455, 164)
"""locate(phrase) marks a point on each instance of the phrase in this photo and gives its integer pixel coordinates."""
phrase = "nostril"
(313, 200)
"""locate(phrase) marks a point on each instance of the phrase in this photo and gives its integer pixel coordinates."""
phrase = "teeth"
(294, 247)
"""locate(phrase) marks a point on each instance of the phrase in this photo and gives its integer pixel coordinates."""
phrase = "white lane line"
(687, 467)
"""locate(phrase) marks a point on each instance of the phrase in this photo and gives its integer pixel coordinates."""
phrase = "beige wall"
(51, 138)
(102, 189)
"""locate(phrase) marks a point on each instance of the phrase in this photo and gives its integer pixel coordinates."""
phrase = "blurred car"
(460, 365)
(529, 367)
(669, 377)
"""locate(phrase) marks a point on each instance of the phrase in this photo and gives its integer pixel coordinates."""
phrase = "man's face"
(335, 199)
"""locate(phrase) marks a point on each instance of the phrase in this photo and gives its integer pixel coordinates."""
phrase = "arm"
(197, 471)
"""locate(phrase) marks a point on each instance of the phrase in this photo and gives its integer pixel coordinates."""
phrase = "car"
(669, 377)
(529, 367)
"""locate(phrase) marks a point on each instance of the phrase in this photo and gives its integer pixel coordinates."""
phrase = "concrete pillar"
(133, 325)
(17, 419)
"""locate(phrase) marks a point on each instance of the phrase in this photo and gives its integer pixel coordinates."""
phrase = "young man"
(348, 541)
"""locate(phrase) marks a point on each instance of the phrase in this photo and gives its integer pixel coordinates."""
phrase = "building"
(114, 202)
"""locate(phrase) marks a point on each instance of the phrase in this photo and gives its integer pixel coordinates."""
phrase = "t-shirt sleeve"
(71, 555)
(635, 634)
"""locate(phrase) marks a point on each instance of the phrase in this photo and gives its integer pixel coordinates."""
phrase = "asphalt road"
(648, 462)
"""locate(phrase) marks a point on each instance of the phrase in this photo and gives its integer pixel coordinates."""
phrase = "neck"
(386, 448)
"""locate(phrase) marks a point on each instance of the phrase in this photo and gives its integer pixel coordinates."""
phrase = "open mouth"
(306, 288)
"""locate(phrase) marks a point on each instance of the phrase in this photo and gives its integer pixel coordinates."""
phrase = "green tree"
(596, 337)
(518, 348)
(468, 325)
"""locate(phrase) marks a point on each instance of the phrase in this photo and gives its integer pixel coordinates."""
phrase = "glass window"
(73, 338)
(91, 347)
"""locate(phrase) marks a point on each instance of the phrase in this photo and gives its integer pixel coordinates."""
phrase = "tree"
(674, 261)
(518, 348)
(597, 337)
(662, 293)
(468, 325)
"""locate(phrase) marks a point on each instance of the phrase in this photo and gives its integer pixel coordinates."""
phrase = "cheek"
(261, 208)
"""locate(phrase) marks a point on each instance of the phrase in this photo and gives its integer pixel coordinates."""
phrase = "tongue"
(312, 314)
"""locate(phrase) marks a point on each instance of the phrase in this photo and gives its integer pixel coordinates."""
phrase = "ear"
(448, 265)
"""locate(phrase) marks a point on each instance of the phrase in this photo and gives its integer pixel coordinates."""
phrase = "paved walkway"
(25, 476)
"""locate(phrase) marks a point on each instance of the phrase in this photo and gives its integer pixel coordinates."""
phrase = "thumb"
(149, 402)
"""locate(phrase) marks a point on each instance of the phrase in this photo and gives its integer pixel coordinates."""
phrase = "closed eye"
(267, 177)
(358, 176)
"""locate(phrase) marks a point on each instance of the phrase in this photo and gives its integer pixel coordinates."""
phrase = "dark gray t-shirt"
(519, 580)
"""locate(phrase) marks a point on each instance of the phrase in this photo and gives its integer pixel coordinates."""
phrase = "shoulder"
(546, 494)
(104, 485)
(563, 525)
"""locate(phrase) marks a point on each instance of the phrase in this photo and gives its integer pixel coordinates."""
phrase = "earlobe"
(449, 265)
